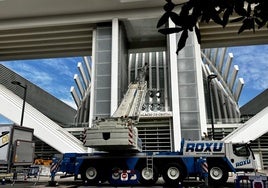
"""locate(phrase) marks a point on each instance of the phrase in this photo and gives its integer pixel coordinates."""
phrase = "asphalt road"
(42, 182)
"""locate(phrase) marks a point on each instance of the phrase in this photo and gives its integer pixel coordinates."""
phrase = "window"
(240, 150)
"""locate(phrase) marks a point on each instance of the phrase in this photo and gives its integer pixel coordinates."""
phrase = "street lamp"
(24, 98)
(209, 78)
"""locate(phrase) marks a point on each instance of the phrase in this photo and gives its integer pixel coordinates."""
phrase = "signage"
(203, 148)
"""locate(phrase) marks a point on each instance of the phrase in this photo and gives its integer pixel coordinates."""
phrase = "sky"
(56, 75)
(53, 75)
(253, 68)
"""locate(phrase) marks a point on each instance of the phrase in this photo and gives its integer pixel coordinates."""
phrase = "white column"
(129, 67)
(79, 85)
(217, 100)
(92, 91)
(233, 77)
(227, 66)
(200, 87)
(157, 71)
(172, 44)
(214, 59)
(88, 66)
(114, 65)
(136, 65)
(75, 96)
(165, 81)
(239, 87)
(83, 74)
(150, 70)
(220, 65)
(223, 101)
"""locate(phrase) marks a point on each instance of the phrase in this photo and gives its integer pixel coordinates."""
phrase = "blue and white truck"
(117, 155)
(214, 159)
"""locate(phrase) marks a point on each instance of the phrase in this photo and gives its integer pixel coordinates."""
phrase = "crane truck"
(118, 157)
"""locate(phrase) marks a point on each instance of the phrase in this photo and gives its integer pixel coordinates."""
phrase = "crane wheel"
(148, 175)
(173, 174)
(91, 174)
(114, 172)
(217, 173)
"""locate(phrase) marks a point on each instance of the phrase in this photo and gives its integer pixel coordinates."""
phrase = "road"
(69, 183)
(42, 182)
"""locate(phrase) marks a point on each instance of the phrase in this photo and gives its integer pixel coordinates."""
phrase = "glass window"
(240, 150)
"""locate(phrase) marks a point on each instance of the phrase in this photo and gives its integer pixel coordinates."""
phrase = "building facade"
(176, 105)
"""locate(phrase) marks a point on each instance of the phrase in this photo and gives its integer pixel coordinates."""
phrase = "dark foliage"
(251, 13)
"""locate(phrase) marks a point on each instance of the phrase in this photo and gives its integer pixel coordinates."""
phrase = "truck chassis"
(143, 168)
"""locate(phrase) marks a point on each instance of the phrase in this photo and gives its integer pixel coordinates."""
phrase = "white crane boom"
(250, 130)
(118, 131)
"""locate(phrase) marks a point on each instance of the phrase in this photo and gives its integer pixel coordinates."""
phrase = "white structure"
(250, 130)
(44, 128)
(176, 87)
(120, 36)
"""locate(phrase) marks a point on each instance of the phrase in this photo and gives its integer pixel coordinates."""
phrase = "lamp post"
(209, 78)
(24, 98)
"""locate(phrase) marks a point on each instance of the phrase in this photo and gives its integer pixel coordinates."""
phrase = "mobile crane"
(119, 132)
(120, 159)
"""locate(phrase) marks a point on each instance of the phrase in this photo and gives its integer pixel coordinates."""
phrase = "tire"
(114, 175)
(148, 176)
(113, 172)
(217, 174)
(91, 175)
(173, 174)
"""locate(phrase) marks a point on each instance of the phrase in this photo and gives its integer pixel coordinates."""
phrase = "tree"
(251, 13)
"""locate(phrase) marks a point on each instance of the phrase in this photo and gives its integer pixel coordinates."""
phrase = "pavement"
(43, 182)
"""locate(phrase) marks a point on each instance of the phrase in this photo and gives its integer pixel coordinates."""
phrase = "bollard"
(53, 170)
(52, 181)
(204, 169)
(3, 182)
(206, 180)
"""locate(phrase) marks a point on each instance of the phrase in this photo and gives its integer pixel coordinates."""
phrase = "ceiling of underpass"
(60, 28)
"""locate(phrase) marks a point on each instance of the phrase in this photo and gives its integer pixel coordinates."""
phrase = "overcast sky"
(56, 75)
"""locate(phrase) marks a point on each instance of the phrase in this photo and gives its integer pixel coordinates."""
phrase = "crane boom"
(118, 131)
(133, 100)
(250, 130)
